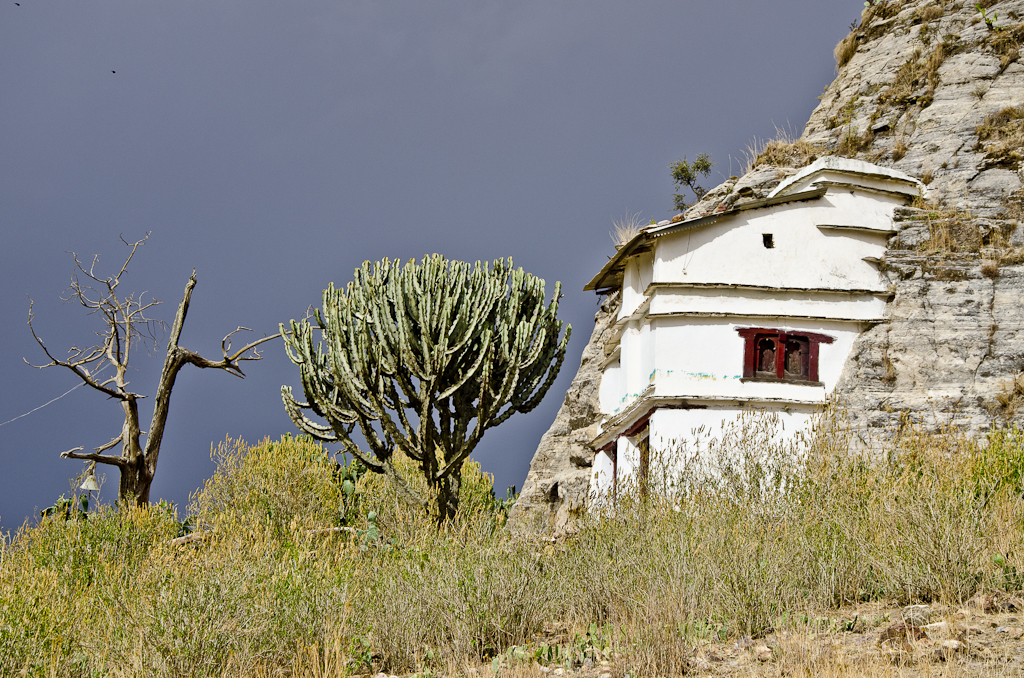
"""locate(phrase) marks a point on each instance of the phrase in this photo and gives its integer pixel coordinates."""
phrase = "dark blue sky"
(274, 147)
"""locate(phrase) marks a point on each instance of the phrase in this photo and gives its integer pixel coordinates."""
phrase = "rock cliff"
(930, 89)
(935, 89)
(555, 490)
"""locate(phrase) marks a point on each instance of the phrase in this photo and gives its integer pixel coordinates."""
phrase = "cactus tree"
(422, 359)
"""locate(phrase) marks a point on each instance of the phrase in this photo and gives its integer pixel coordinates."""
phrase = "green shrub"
(999, 465)
(272, 483)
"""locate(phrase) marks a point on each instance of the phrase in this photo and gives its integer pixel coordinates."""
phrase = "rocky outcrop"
(924, 77)
(933, 91)
(556, 488)
(949, 353)
(927, 87)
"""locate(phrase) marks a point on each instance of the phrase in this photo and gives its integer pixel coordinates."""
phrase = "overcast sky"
(274, 147)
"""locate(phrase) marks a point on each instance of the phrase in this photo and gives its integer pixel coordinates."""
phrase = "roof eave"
(624, 251)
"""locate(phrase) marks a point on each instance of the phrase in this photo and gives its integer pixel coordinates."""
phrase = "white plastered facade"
(803, 262)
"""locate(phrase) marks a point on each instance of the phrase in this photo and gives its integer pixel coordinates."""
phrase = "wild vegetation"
(307, 567)
(1001, 136)
(914, 84)
(917, 78)
(952, 230)
(783, 151)
(872, 20)
(625, 229)
(685, 174)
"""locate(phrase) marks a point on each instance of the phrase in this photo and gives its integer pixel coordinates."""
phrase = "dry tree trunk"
(126, 326)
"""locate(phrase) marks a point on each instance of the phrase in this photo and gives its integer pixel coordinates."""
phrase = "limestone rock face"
(917, 96)
(949, 353)
(927, 88)
(556, 488)
(926, 92)
(915, 92)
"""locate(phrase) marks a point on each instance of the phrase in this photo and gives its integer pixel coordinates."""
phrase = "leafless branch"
(125, 325)
(93, 456)
(134, 246)
(113, 442)
(73, 365)
(229, 363)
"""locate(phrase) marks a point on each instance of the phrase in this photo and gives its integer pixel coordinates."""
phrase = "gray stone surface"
(948, 354)
(555, 491)
(953, 341)
(939, 136)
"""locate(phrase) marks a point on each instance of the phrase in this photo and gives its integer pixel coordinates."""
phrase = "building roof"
(817, 171)
(810, 183)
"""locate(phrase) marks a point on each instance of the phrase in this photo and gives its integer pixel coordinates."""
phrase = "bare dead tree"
(127, 326)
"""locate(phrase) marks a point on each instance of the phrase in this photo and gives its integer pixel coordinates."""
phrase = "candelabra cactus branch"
(422, 359)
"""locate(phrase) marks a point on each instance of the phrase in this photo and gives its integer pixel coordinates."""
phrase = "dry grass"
(917, 78)
(747, 538)
(851, 143)
(899, 149)
(889, 369)
(1011, 256)
(881, 10)
(907, 80)
(784, 150)
(1014, 206)
(1001, 136)
(872, 26)
(845, 50)
(1006, 43)
(1012, 396)
(930, 13)
(952, 230)
(625, 229)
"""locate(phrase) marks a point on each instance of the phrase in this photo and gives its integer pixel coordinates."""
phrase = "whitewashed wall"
(703, 357)
(804, 256)
(678, 438)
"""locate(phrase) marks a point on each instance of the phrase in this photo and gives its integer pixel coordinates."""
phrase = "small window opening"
(797, 361)
(769, 242)
(766, 364)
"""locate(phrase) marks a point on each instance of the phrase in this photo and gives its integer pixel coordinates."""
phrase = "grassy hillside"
(758, 538)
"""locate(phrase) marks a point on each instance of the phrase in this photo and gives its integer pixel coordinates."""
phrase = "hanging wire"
(49, 402)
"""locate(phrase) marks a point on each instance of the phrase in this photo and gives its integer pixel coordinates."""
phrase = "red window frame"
(751, 335)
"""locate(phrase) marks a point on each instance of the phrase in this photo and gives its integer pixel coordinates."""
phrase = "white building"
(756, 307)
